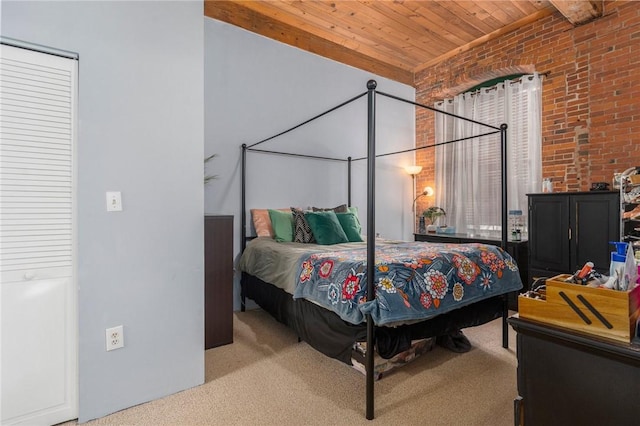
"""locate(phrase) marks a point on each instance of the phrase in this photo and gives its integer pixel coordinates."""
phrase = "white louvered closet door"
(38, 290)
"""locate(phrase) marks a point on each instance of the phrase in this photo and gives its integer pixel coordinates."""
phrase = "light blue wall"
(143, 84)
(141, 133)
(256, 87)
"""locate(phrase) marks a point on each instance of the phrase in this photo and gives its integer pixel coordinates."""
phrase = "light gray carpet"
(267, 378)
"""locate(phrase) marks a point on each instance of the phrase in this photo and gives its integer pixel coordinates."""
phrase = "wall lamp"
(413, 171)
(428, 191)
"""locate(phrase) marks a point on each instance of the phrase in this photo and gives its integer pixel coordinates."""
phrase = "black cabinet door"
(549, 233)
(568, 229)
(594, 223)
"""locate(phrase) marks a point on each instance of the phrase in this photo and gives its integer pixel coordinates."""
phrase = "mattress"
(414, 280)
(278, 262)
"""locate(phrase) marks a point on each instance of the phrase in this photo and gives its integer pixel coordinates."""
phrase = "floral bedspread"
(414, 280)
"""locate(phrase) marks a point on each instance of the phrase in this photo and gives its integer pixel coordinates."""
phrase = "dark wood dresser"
(218, 281)
(570, 378)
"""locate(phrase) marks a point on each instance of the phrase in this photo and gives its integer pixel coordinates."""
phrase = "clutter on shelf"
(628, 182)
(588, 301)
(623, 271)
(600, 311)
(516, 224)
(624, 274)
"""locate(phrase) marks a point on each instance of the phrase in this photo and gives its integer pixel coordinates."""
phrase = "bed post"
(505, 207)
(503, 168)
(243, 218)
(349, 181)
(371, 238)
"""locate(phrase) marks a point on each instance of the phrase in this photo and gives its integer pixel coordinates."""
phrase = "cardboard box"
(603, 312)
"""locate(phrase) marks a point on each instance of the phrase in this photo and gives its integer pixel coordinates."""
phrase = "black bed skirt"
(328, 333)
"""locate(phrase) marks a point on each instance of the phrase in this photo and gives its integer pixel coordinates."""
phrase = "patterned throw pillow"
(301, 229)
(342, 208)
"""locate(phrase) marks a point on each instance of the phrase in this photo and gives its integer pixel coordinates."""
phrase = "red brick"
(593, 89)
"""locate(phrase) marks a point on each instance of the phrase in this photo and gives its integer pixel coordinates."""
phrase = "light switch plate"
(114, 201)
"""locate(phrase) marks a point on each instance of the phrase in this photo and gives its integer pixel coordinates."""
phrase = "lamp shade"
(413, 170)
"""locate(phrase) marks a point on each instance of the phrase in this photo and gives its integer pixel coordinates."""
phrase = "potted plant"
(209, 178)
(431, 215)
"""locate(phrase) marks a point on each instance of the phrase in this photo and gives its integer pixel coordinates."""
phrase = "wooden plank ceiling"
(394, 39)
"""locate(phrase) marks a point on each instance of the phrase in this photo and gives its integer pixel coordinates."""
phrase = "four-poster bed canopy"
(313, 318)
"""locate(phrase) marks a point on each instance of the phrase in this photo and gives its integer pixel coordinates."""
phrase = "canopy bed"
(368, 293)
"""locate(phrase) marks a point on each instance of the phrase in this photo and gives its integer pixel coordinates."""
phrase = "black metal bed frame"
(371, 162)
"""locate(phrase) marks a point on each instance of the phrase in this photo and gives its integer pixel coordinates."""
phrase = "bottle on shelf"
(515, 224)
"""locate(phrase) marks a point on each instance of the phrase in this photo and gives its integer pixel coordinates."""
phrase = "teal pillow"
(326, 227)
(351, 226)
(282, 224)
(354, 210)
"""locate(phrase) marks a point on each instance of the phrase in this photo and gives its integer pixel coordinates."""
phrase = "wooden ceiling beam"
(234, 13)
(495, 34)
(579, 11)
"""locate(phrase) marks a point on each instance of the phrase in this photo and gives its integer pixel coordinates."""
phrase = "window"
(468, 184)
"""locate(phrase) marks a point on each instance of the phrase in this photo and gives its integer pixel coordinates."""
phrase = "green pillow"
(326, 227)
(351, 226)
(354, 210)
(282, 224)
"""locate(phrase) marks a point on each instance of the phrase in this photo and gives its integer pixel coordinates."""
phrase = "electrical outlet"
(115, 338)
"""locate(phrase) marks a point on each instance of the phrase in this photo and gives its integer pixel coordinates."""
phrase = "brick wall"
(591, 95)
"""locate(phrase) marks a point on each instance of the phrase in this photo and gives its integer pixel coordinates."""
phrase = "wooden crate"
(607, 313)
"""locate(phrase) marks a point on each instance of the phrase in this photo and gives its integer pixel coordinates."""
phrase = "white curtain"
(468, 182)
